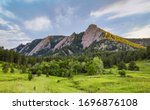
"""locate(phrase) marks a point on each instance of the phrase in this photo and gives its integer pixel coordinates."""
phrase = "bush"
(39, 72)
(95, 66)
(5, 68)
(137, 68)
(110, 72)
(107, 71)
(133, 67)
(12, 70)
(30, 76)
(47, 74)
(23, 69)
(122, 66)
(122, 73)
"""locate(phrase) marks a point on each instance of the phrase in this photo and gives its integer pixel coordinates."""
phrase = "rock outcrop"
(93, 33)
(94, 38)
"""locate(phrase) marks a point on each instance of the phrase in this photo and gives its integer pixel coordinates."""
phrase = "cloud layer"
(24, 20)
(139, 32)
(11, 35)
(123, 8)
(38, 24)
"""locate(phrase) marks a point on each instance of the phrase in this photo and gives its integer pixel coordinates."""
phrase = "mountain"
(94, 38)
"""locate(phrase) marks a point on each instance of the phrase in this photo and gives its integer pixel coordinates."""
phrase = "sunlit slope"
(116, 38)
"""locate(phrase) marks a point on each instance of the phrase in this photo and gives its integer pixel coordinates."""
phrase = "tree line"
(89, 63)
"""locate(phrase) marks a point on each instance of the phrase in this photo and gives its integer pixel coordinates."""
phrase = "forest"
(86, 63)
(89, 64)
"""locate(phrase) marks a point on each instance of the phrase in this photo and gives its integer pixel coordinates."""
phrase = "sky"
(22, 21)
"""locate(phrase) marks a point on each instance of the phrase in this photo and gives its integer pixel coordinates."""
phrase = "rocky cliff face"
(45, 43)
(93, 33)
(93, 38)
(65, 42)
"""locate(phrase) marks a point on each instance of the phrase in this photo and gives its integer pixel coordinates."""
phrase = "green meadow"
(134, 82)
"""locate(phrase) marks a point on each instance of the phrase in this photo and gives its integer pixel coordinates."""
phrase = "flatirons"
(93, 38)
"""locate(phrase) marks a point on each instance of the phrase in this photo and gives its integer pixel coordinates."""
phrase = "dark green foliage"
(122, 73)
(23, 69)
(12, 70)
(121, 66)
(35, 68)
(14, 57)
(30, 76)
(47, 75)
(132, 66)
(148, 52)
(5, 68)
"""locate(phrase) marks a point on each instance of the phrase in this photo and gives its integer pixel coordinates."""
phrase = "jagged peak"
(73, 34)
(48, 37)
(92, 26)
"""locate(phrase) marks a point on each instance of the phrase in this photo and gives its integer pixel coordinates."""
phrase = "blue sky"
(22, 21)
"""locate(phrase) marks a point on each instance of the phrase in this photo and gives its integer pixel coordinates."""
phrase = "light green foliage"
(139, 82)
(95, 66)
(39, 72)
(30, 76)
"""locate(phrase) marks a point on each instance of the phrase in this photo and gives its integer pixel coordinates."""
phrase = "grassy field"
(135, 82)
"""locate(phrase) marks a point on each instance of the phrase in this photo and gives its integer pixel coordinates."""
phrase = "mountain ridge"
(92, 38)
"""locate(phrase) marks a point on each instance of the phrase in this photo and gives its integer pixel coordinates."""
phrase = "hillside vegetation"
(136, 81)
(97, 71)
(116, 38)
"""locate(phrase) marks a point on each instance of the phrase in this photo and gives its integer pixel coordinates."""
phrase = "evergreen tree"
(148, 52)
(121, 66)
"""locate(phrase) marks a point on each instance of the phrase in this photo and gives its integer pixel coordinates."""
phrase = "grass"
(135, 82)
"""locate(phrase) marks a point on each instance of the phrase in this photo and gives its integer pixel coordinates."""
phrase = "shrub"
(39, 72)
(5, 68)
(122, 73)
(23, 69)
(30, 76)
(107, 71)
(47, 74)
(137, 68)
(122, 66)
(110, 72)
(133, 67)
(12, 70)
(95, 66)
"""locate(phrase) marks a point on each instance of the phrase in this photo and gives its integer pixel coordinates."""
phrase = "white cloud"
(123, 8)
(12, 36)
(139, 32)
(64, 18)
(7, 13)
(64, 15)
(38, 24)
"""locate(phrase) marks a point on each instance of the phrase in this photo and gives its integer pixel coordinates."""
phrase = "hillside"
(93, 38)
(110, 83)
